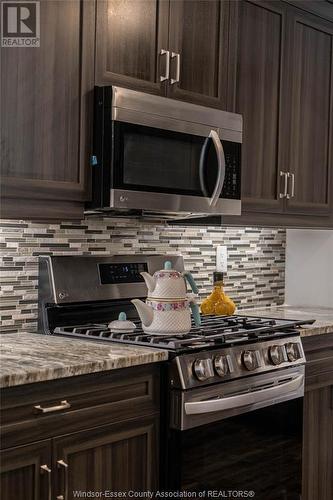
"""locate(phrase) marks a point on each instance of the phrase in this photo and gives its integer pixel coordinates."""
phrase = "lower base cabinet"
(79, 457)
(26, 472)
(119, 457)
(318, 445)
(107, 459)
(318, 419)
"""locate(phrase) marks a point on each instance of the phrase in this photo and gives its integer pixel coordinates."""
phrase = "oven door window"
(165, 161)
(259, 451)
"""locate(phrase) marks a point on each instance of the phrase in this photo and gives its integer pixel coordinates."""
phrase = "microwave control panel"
(232, 180)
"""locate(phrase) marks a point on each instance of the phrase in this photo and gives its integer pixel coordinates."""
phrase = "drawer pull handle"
(64, 405)
(44, 468)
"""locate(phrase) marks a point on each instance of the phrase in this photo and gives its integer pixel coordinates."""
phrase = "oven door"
(163, 164)
(252, 449)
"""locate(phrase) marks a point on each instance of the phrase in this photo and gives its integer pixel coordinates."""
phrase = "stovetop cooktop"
(214, 332)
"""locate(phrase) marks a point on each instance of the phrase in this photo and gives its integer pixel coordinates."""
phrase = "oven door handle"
(220, 163)
(227, 403)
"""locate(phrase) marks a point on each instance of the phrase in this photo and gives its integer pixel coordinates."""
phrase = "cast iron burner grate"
(214, 331)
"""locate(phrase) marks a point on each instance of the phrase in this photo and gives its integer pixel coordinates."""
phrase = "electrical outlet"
(221, 258)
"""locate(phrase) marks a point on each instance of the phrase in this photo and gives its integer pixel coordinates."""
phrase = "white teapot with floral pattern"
(168, 307)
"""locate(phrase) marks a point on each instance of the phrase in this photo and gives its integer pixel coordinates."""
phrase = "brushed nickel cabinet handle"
(44, 468)
(62, 464)
(64, 405)
(177, 56)
(167, 65)
(292, 194)
(284, 194)
(292, 177)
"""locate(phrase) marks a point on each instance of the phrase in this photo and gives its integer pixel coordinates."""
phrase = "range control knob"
(251, 360)
(293, 351)
(275, 353)
(203, 369)
(221, 365)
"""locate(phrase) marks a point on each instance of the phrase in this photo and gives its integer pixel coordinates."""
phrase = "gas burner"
(214, 332)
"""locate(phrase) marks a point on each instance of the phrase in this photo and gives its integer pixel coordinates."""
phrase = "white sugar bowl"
(122, 325)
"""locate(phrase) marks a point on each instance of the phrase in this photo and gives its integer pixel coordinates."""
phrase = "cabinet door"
(45, 113)
(120, 457)
(129, 38)
(26, 472)
(311, 120)
(318, 444)
(198, 37)
(259, 98)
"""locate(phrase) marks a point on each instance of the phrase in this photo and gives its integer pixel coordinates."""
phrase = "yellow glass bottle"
(218, 302)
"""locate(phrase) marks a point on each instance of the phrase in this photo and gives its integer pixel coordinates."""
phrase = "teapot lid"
(167, 271)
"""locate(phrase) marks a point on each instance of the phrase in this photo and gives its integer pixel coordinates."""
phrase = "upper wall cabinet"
(311, 114)
(176, 48)
(131, 40)
(45, 115)
(284, 90)
(198, 41)
(260, 98)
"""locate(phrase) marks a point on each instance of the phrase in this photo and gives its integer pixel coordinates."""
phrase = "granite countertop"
(323, 317)
(30, 357)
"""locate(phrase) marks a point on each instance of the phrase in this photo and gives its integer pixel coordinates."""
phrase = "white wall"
(309, 268)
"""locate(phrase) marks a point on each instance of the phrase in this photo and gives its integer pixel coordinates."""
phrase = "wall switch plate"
(221, 259)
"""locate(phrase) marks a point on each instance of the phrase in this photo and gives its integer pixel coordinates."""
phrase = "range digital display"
(112, 274)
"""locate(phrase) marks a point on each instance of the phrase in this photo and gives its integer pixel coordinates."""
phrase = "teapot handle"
(196, 313)
(188, 276)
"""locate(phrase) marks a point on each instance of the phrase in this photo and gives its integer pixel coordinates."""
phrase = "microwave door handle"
(202, 161)
(250, 398)
(221, 168)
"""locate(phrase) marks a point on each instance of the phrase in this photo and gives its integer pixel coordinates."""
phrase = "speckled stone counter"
(30, 357)
(323, 317)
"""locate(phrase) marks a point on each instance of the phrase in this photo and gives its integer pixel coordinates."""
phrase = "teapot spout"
(145, 312)
(150, 281)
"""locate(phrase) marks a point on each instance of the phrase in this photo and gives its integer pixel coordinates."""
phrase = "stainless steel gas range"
(231, 394)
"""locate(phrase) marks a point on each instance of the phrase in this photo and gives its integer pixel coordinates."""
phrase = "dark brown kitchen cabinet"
(116, 458)
(46, 115)
(318, 418)
(26, 472)
(176, 48)
(260, 92)
(86, 433)
(129, 39)
(310, 160)
(284, 82)
(318, 444)
(198, 41)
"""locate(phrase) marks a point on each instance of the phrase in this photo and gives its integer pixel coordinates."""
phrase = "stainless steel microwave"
(161, 157)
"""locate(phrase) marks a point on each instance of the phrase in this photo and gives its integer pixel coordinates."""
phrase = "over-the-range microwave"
(161, 157)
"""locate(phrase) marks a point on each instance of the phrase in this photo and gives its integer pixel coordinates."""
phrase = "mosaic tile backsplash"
(256, 258)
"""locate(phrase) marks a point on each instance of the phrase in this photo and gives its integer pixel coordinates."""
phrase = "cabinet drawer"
(41, 410)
